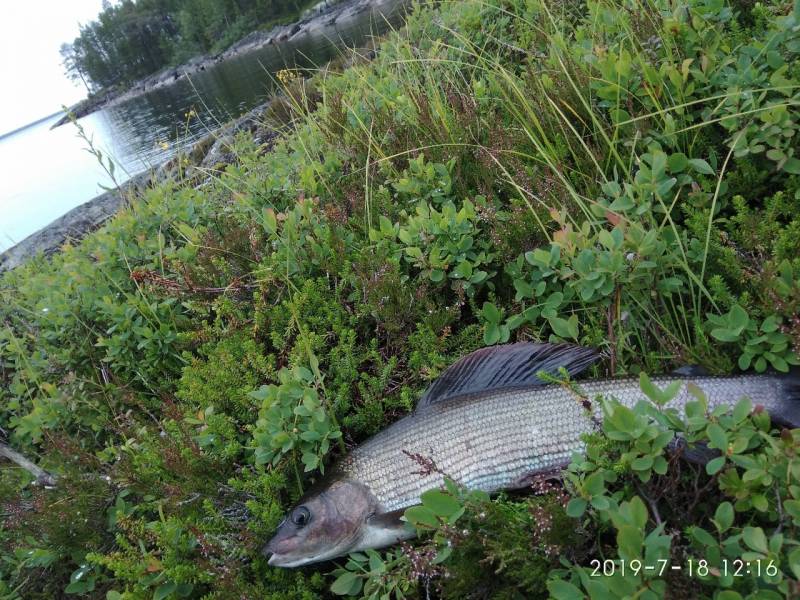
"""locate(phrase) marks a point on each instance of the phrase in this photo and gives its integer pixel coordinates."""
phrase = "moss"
(508, 548)
(222, 375)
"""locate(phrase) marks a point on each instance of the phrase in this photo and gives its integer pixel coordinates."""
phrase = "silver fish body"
(493, 441)
(489, 423)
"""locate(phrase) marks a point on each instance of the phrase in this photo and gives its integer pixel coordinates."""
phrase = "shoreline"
(253, 41)
(207, 153)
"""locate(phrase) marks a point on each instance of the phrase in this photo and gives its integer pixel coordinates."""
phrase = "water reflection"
(46, 173)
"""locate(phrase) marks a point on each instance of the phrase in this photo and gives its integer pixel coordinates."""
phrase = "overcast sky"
(31, 32)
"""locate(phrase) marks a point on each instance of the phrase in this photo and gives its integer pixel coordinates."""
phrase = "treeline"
(132, 39)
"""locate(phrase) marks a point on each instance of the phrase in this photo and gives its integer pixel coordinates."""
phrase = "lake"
(45, 173)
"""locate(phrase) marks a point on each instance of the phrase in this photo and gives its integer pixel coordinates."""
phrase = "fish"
(490, 423)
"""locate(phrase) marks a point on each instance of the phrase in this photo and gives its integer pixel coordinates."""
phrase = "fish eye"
(301, 516)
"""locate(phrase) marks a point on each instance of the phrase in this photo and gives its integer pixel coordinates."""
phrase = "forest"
(622, 175)
(131, 39)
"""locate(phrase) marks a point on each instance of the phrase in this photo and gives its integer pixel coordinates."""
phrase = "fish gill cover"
(621, 175)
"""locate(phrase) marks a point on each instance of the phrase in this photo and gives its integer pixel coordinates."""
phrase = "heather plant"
(620, 175)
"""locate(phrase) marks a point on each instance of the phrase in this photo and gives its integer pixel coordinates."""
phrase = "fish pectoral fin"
(384, 529)
(387, 520)
(506, 366)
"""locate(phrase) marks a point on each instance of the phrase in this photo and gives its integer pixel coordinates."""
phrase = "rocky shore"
(73, 225)
(322, 15)
(211, 152)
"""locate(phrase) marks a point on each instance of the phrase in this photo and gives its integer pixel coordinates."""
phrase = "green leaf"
(270, 220)
(742, 409)
(677, 162)
(701, 166)
(345, 584)
(442, 555)
(658, 396)
(794, 562)
(576, 507)
(754, 537)
(717, 436)
(80, 587)
(792, 166)
(792, 508)
(563, 590)
(439, 503)
(702, 536)
(723, 517)
(629, 541)
(594, 484)
(491, 313)
(463, 270)
(728, 595)
(779, 364)
(715, 465)
(184, 589)
(420, 515)
(621, 418)
(564, 328)
(376, 564)
(725, 335)
(436, 275)
(164, 590)
(638, 512)
(738, 318)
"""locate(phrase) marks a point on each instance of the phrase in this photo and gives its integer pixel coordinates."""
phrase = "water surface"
(45, 173)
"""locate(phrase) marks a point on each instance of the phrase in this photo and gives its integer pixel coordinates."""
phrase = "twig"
(189, 500)
(612, 340)
(428, 465)
(42, 477)
(780, 509)
(650, 502)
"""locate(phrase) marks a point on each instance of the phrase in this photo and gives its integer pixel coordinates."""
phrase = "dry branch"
(42, 476)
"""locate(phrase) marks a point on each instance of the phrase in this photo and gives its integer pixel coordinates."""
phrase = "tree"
(131, 39)
(71, 65)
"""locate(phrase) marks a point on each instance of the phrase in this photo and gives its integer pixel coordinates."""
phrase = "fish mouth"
(276, 560)
(287, 560)
(282, 560)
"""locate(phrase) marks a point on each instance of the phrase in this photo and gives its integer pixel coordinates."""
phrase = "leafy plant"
(753, 469)
(762, 345)
(292, 419)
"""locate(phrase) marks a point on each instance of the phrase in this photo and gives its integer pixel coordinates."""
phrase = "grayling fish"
(489, 423)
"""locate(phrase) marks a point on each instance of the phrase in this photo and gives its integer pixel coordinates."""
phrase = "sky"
(31, 32)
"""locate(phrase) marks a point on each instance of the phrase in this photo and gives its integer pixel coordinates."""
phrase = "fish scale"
(490, 441)
(489, 422)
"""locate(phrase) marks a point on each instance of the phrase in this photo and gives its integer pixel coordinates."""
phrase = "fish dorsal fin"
(506, 366)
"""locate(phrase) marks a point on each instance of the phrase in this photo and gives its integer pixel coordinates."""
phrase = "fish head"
(323, 525)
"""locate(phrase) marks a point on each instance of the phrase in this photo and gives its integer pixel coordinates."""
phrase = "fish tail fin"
(788, 410)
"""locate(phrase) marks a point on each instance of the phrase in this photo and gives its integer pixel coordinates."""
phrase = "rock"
(74, 225)
(220, 153)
